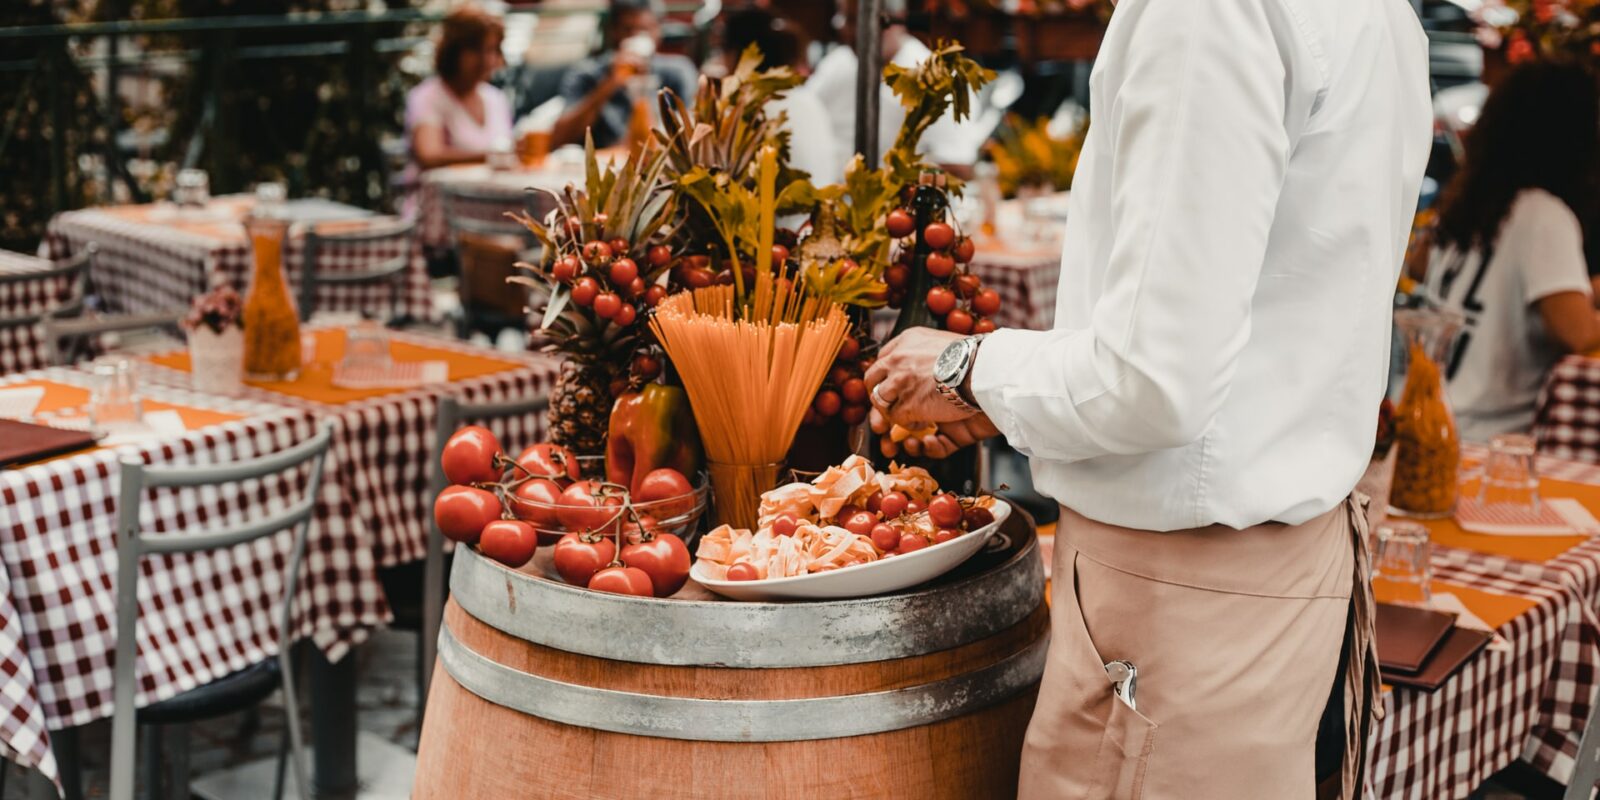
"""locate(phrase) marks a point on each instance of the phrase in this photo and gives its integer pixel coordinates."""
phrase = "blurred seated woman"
(456, 117)
(1509, 249)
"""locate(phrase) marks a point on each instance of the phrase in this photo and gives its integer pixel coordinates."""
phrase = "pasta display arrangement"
(848, 516)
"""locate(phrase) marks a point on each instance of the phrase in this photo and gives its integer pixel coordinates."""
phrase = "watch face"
(950, 361)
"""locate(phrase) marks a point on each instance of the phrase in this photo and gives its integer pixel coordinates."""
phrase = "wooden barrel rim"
(743, 720)
(753, 635)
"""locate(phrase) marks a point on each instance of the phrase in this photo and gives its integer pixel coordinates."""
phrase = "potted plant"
(215, 330)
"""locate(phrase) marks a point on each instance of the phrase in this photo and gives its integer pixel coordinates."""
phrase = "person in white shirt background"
(1203, 408)
(1509, 252)
(948, 143)
(806, 117)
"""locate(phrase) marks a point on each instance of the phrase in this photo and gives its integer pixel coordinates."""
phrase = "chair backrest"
(74, 270)
(133, 545)
(452, 412)
(476, 210)
(390, 270)
(67, 339)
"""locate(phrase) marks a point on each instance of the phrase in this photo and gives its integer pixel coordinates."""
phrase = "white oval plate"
(863, 580)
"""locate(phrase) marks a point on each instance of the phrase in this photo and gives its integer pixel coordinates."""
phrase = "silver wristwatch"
(951, 369)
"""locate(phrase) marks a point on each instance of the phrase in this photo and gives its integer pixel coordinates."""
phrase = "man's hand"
(901, 381)
(946, 440)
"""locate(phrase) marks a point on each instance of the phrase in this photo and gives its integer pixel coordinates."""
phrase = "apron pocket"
(1129, 736)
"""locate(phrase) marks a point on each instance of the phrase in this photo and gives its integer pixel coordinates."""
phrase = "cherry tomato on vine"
(566, 268)
(854, 390)
(983, 325)
(939, 235)
(986, 302)
(584, 290)
(654, 295)
(509, 541)
(853, 413)
(622, 272)
(885, 536)
(462, 512)
(590, 506)
(827, 403)
(897, 276)
(940, 265)
(861, 523)
(945, 510)
(900, 223)
(664, 559)
(893, 505)
(958, 321)
(911, 542)
(536, 501)
(646, 366)
(607, 304)
(849, 348)
(660, 255)
(941, 301)
(780, 255)
(622, 580)
(977, 517)
(636, 287)
(579, 556)
(967, 285)
(625, 316)
(619, 246)
(596, 252)
(698, 278)
(944, 535)
(965, 250)
(552, 461)
(469, 456)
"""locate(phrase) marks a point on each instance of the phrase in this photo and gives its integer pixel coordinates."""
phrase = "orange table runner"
(1535, 549)
(65, 400)
(316, 378)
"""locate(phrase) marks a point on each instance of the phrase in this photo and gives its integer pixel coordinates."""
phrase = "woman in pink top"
(456, 117)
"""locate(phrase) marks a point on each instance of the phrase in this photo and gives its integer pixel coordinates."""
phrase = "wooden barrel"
(548, 691)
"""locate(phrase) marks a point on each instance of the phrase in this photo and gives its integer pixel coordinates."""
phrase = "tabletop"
(157, 257)
(22, 347)
(502, 190)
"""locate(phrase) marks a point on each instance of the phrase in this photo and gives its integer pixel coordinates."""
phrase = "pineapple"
(580, 406)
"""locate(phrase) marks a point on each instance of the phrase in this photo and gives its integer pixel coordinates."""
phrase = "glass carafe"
(271, 323)
(1427, 444)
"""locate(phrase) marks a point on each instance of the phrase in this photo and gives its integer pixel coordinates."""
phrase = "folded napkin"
(1557, 516)
(19, 403)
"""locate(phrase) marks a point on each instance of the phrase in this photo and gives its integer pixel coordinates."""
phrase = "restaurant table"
(501, 191)
(1567, 415)
(23, 347)
(377, 476)
(1025, 273)
(202, 615)
(158, 257)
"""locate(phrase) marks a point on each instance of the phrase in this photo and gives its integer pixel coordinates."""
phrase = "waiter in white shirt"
(1206, 402)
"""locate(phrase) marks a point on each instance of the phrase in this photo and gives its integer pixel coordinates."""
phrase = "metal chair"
(234, 692)
(75, 269)
(391, 271)
(486, 247)
(68, 339)
(452, 412)
(1586, 767)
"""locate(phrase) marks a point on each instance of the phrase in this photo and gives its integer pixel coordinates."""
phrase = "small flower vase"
(216, 360)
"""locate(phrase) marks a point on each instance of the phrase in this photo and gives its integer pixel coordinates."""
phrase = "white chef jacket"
(1235, 232)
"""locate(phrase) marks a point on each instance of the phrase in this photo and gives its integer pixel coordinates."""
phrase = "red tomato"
(885, 537)
(854, 414)
(636, 287)
(827, 403)
(784, 524)
(589, 506)
(986, 302)
(654, 295)
(780, 255)
(596, 252)
(944, 535)
(469, 456)
(619, 246)
(624, 316)
(566, 268)
(940, 265)
(911, 542)
(940, 300)
(976, 517)
(550, 461)
(896, 276)
(622, 272)
(958, 321)
(584, 290)
(849, 348)
(847, 266)
(945, 510)
(578, 556)
(664, 559)
(536, 502)
(914, 507)
(660, 256)
(900, 223)
(965, 249)
(509, 542)
(659, 486)
(622, 580)
(967, 285)
(607, 304)
(743, 571)
(874, 503)
(939, 235)
(892, 505)
(861, 523)
(574, 227)
(646, 366)
(983, 325)
(854, 390)
(699, 278)
(839, 374)
(462, 512)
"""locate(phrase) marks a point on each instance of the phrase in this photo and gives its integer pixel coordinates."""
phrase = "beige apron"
(1236, 636)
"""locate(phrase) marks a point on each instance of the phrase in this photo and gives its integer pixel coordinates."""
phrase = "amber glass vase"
(1427, 445)
(271, 323)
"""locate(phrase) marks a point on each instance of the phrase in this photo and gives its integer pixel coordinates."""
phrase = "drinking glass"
(114, 397)
(1508, 476)
(272, 199)
(1400, 561)
(367, 347)
(191, 188)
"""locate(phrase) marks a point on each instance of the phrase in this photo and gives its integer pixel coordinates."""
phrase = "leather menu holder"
(1459, 646)
(1408, 635)
(22, 442)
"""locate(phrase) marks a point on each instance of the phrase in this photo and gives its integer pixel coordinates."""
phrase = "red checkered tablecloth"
(23, 347)
(155, 259)
(502, 191)
(1567, 417)
(202, 615)
(1026, 280)
(385, 443)
(1530, 703)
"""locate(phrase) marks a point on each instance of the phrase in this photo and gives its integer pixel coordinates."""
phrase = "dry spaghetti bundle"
(751, 370)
